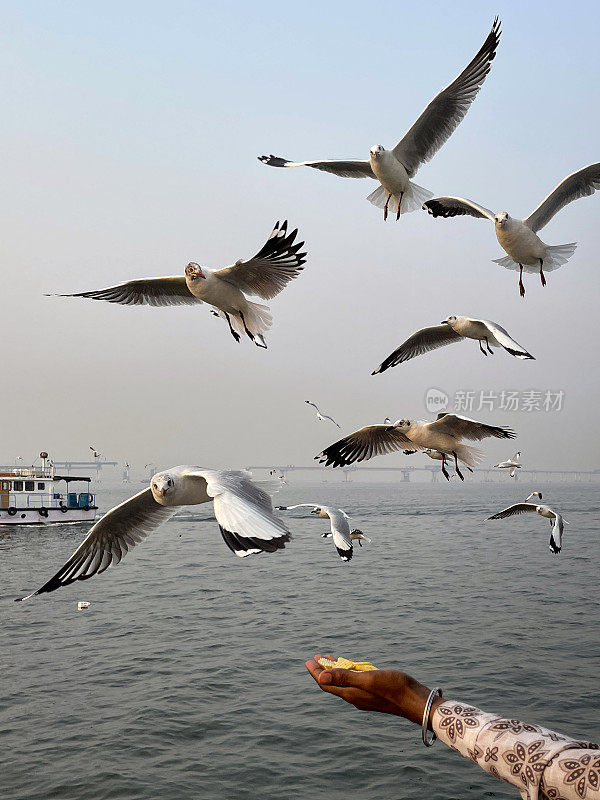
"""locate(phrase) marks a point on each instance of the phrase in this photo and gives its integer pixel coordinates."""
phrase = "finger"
(345, 677)
(328, 656)
(314, 669)
(351, 695)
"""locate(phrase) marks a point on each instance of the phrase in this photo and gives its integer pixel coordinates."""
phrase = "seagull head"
(320, 512)
(162, 485)
(501, 218)
(402, 423)
(193, 271)
(377, 150)
(449, 320)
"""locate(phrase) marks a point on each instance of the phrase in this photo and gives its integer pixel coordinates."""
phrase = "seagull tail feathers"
(558, 255)
(412, 200)
(470, 456)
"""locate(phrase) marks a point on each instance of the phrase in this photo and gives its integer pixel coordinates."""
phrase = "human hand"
(387, 690)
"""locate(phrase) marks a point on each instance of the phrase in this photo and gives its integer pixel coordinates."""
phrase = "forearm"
(536, 760)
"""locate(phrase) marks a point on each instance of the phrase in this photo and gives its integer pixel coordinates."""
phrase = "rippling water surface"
(185, 678)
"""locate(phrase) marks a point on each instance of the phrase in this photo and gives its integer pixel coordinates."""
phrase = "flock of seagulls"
(243, 507)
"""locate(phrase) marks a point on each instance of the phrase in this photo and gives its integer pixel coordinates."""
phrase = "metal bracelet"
(428, 742)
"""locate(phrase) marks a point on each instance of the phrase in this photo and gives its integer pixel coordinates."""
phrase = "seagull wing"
(582, 183)
(441, 117)
(271, 269)
(341, 534)
(508, 343)
(420, 342)
(331, 419)
(244, 512)
(465, 428)
(518, 508)
(168, 291)
(348, 168)
(374, 440)
(555, 543)
(110, 539)
(456, 207)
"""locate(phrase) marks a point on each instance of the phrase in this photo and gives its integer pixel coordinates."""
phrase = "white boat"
(38, 496)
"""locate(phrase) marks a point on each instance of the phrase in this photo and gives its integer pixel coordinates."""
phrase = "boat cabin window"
(29, 486)
(5, 486)
(18, 486)
(41, 486)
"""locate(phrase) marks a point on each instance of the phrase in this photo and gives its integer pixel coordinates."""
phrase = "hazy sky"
(129, 139)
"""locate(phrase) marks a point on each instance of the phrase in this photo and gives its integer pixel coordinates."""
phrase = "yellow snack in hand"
(346, 663)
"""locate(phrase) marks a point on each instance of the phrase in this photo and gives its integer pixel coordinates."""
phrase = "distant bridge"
(96, 464)
(435, 470)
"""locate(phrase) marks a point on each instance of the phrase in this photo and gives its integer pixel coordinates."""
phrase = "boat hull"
(32, 516)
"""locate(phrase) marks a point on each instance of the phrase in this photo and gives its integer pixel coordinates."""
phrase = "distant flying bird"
(394, 168)
(512, 464)
(519, 238)
(95, 452)
(264, 275)
(443, 435)
(320, 416)
(242, 507)
(454, 329)
(557, 522)
(340, 527)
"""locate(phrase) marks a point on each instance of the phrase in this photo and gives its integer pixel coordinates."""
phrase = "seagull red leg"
(521, 287)
(399, 204)
(385, 208)
(444, 470)
(456, 467)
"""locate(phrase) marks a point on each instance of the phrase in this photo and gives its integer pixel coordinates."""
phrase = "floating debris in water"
(82, 604)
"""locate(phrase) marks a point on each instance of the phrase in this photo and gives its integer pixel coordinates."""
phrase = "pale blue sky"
(130, 135)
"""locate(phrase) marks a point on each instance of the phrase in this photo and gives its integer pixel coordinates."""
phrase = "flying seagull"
(518, 237)
(443, 435)
(557, 522)
(95, 452)
(340, 527)
(512, 464)
(394, 168)
(320, 416)
(264, 275)
(242, 507)
(454, 329)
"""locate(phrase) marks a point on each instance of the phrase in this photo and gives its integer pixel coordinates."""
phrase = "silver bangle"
(428, 742)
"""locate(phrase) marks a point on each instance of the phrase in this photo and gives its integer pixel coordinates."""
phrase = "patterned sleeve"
(543, 765)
